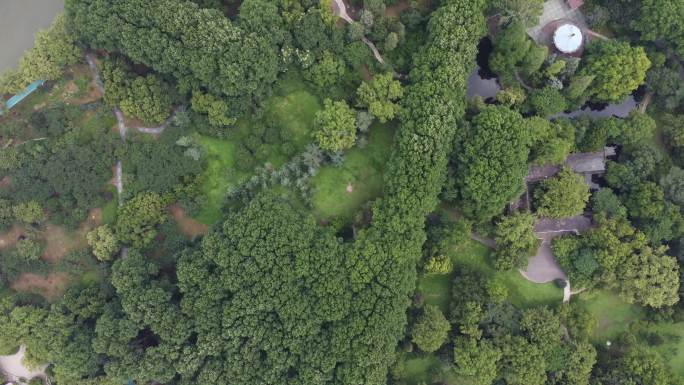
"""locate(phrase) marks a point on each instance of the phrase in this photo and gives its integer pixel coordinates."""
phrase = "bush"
(440, 264)
(335, 126)
(29, 212)
(547, 101)
(430, 330)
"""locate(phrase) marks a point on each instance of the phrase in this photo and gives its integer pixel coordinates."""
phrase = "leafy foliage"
(335, 126)
(137, 219)
(515, 241)
(564, 195)
(380, 96)
(491, 164)
(431, 329)
(618, 69)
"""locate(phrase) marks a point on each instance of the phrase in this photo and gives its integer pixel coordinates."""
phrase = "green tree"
(327, 72)
(618, 69)
(522, 363)
(491, 164)
(662, 20)
(515, 241)
(29, 250)
(216, 109)
(138, 218)
(650, 277)
(6, 214)
(564, 195)
(637, 366)
(335, 126)
(476, 359)
(547, 101)
(103, 242)
(430, 330)
(29, 212)
(542, 327)
(673, 185)
(148, 99)
(526, 12)
(439, 264)
(380, 96)
(606, 202)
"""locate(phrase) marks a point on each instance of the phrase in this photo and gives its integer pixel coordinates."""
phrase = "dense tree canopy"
(618, 69)
(491, 163)
(200, 48)
(564, 195)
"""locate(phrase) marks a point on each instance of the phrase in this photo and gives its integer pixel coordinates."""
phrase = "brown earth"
(93, 92)
(187, 226)
(6, 181)
(59, 242)
(51, 286)
(396, 9)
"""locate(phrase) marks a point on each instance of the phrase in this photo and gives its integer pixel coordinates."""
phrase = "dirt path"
(340, 10)
(162, 127)
(485, 241)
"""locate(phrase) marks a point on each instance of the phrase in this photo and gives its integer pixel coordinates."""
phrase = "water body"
(20, 20)
(620, 110)
(483, 82)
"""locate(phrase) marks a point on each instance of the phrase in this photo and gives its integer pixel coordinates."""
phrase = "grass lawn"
(612, 313)
(292, 109)
(219, 175)
(672, 349)
(363, 168)
(522, 293)
(415, 369)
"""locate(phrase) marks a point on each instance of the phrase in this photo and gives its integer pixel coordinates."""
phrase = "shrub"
(439, 264)
(431, 329)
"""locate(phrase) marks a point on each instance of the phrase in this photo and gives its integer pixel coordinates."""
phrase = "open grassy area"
(292, 109)
(522, 293)
(219, 175)
(672, 346)
(363, 169)
(614, 315)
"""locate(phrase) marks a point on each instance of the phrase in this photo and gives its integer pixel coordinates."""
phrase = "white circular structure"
(567, 38)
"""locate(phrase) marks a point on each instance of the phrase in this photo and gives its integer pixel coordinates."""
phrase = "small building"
(568, 38)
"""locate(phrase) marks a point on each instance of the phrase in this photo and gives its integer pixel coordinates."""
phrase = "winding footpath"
(340, 10)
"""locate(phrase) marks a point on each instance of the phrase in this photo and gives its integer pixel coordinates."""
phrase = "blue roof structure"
(14, 100)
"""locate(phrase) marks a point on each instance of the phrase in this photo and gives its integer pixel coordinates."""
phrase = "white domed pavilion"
(568, 38)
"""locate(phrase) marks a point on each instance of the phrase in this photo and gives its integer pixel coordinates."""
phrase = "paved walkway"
(543, 267)
(13, 367)
(555, 10)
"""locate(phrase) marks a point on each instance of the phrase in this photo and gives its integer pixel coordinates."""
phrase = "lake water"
(19, 20)
(483, 82)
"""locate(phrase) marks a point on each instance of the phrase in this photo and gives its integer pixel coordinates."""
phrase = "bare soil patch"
(396, 9)
(6, 181)
(59, 242)
(91, 94)
(51, 286)
(187, 226)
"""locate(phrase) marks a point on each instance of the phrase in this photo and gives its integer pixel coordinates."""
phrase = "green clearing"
(219, 175)
(363, 168)
(522, 293)
(292, 109)
(614, 315)
(672, 348)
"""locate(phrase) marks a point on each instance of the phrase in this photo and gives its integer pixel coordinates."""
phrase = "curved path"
(340, 10)
(13, 367)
